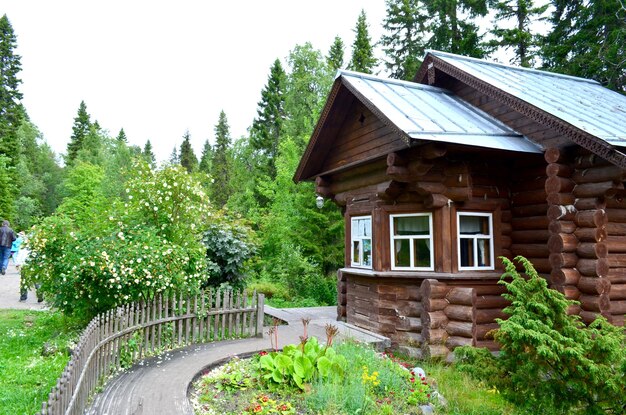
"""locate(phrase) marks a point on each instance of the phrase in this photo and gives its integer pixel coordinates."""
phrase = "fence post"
(260, 313)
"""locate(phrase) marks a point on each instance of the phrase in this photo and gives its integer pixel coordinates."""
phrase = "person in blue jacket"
(17, 243)
(7, 237)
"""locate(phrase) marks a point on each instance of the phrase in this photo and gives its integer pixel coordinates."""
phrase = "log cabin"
(472, 160)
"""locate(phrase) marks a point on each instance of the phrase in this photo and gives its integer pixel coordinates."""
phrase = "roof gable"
(590, 115)
(415, 112)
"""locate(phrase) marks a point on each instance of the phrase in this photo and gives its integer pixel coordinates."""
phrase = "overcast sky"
(159, 68)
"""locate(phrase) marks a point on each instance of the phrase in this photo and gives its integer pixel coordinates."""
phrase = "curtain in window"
(472, 225)
(411, 225)
(362, 227)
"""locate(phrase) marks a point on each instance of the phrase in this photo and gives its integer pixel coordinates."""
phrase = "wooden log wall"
(459, 313)
(529, 223)
(563, 241)
(386, 306)
(585, 257)
(342, 298)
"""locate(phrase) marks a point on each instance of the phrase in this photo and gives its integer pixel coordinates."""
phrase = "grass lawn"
(27, 373)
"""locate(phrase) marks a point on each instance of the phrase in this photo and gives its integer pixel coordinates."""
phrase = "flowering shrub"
(127, 249)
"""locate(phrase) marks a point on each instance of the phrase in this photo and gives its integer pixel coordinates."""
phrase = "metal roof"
(583, 103)
(428, 113)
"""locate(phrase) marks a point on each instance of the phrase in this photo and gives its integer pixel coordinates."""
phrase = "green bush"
(549, 362)
(228, 245)
(96, 253)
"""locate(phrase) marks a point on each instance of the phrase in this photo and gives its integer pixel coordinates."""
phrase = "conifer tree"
(363, 59)
(588, 39)
(205, 158)
(11, 111)
(148, 154)
(403, 44)
(121, 137)
(7, 189)
(308, 83)
(80, 129)
(334, 60)
(520, 38)
(453, 26)
(267, 127)
(220, 171)
(174, 157)
(188, 158)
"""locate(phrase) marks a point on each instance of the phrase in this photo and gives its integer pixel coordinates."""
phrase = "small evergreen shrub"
(229, 246)
(549, 361)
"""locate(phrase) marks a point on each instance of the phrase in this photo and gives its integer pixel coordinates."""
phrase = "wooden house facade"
(472, 160)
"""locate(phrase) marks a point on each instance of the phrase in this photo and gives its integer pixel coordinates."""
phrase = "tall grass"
(33, 352)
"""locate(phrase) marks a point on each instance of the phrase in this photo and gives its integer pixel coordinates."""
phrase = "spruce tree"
(588, 39)
(220, 171)
(174, 157)
(334, 60)
(267, 127)
(11, 111)
(80, 129)
(363, 59)
(403, 44)
(121, 137)
(205, 158)
(520, 38)
(148, 154)
(188, 158)
(453, 26)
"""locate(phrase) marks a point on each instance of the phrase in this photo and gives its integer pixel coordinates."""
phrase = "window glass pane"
(367, 252)
(484, 253)
(411, 225)
(356, 257)
(472, 225)
(403, 255)
(421, 252)
(467, 252)
(361, 227)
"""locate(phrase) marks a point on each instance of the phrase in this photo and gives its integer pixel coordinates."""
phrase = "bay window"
(475, 241)
(412, 242)
(361, 255)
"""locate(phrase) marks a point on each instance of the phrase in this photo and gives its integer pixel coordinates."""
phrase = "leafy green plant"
(549, 361)
(296, 365)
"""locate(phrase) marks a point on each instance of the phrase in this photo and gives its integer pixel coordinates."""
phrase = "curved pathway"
(10, 292)
(159, 385)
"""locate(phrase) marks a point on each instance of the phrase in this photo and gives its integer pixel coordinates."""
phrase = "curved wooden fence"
(118, 338)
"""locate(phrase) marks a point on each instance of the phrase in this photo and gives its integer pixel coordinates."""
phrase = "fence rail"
(124, 335)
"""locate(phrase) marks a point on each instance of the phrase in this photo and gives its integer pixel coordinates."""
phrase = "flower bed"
(312, 378)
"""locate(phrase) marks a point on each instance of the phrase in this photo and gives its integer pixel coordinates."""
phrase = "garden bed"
(311, 378)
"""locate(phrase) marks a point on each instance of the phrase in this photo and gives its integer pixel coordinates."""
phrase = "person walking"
(7, 236)
(15, 247)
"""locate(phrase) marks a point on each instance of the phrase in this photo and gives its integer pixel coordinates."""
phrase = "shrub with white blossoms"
(128, 250)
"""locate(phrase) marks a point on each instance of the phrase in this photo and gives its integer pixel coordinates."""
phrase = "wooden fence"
(119, 337)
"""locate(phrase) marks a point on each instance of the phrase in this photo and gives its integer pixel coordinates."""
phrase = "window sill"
(465, 275)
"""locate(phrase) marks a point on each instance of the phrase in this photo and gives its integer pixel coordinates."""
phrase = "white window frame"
(430, 238)
(361, 239)
(475, 238)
